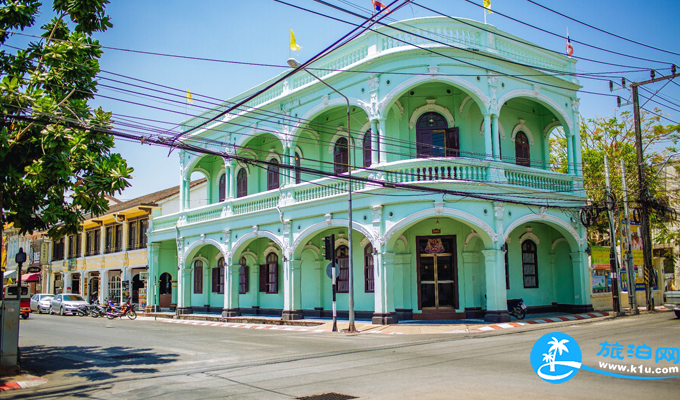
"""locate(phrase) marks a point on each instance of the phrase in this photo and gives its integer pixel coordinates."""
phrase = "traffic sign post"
(329, 243)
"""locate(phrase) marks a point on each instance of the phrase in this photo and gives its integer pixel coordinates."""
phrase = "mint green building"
(449, 122)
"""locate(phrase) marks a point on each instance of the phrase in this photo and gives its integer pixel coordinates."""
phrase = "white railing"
(256, 202)
(549, 181)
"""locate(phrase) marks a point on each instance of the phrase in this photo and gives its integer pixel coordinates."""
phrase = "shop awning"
(34, 277)
(10, 274)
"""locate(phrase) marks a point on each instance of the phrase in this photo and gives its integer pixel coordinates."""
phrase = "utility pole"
(644, 192)
(632, 290)
(613, 258)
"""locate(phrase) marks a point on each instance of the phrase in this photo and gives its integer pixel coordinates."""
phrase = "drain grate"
(126, 357)
(327, 396)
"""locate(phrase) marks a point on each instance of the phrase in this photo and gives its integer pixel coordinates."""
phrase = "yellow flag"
(189, 98)
(293, 45)
(487, 5)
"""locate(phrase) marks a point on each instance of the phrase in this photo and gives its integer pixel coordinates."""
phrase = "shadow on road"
(94, 363)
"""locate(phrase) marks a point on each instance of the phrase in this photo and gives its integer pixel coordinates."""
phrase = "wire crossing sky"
(257, 32)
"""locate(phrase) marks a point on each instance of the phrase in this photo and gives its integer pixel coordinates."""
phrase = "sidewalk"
(315, 325)
(20, 381)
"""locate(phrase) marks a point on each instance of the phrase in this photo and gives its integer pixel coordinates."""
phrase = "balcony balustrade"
(422, 171)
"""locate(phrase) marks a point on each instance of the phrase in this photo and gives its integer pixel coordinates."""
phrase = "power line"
(602, 30)
(573, 40)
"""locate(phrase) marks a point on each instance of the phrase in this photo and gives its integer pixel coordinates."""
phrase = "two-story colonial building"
(468, 123)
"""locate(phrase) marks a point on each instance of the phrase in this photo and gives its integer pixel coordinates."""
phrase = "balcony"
(421, 172)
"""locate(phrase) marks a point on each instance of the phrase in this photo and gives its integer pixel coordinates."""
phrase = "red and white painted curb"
(31, 382)
(261, 326)
(541, 321)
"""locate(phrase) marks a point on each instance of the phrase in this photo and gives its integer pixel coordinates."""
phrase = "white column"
(182, 194)
(102, 239)
(488, 140)
(232, 179)
(496, 298)
(582, 284)
(384, 288)
(570, 153)
(496, 138)
(126, 235)
(292, 291)
(103, 285)
(382, 140)
(375, 154)
(231, 289)
(83, 243)
(184, 289)
(187, 193)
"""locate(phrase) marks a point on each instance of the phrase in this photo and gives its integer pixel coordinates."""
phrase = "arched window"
(342, 259)
(269, 274)
(166, 284)
(341, 156)
(273, 175)
(243, 277)
(298, 172)
(222, 188)
(522, 149)
(242, 183)
(368, 147)
(434, 138)
(198, 277)
(369, 283)
(218, 277)
(529, 264)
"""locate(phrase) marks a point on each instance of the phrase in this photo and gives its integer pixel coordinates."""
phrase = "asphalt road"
(122, 359)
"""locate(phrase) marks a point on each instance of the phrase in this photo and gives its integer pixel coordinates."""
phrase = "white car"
(40, 302)
(66, 303)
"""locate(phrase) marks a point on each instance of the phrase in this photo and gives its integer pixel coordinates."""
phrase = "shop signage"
(33, 269)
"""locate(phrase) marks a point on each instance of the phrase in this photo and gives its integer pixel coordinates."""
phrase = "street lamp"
(293, 63)
(20, 258)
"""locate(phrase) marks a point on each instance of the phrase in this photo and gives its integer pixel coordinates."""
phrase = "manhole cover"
(126, 357)
(327, 396)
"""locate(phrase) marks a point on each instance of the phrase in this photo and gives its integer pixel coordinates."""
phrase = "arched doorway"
(434, 138)
(165, 290)
(136, 285)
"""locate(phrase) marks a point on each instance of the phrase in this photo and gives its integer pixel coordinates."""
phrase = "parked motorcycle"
(97, 310)
(83, 310)
(518, 309)
(128, 310)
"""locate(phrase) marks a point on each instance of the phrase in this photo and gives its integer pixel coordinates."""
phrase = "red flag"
(570, 48)
(379, 6)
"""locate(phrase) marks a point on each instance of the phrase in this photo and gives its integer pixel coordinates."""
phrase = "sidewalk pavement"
(364, 326)
(20, 381)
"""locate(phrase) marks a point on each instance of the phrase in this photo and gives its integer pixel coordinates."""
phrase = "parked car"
(40, 302)
(672, 301)
(66, 303)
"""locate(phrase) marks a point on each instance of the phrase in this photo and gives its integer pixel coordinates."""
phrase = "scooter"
(96, 310)
(518, 310)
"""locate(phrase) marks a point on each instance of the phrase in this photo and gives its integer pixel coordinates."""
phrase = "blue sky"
(257, 31)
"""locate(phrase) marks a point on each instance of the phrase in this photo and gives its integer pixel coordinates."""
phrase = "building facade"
(455, 207)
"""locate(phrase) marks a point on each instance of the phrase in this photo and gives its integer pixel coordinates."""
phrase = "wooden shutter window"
(452, 143)
(342, 259)
(298, 172)
(367, 148)
(263, 278)
(341, 156)
(522, 150)
(242, 183)
(272, 273)
(369, 283)
(222, 188)
(215, 280)
(243, 277)
(273, 175)
(198, 277)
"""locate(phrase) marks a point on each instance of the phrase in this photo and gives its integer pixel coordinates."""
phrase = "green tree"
(615, 137)
(56, 162)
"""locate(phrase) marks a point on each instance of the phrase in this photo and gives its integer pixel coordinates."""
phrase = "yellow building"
(108, 258)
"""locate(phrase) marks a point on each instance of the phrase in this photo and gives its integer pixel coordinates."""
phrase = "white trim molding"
(431, 107)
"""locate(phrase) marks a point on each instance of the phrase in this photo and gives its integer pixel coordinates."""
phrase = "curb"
(541, 321)
(22, 384)
(263, 327)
